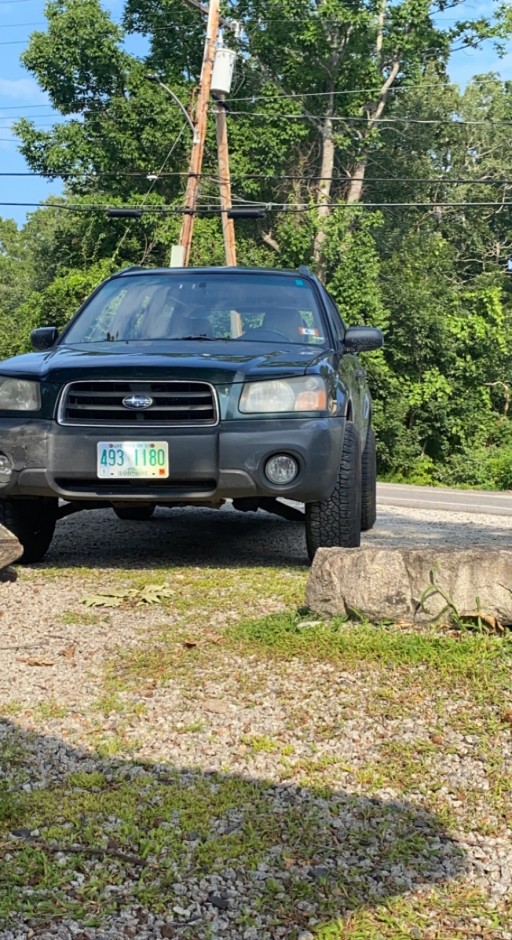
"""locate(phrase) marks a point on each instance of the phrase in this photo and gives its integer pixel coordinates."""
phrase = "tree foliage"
(338, 107)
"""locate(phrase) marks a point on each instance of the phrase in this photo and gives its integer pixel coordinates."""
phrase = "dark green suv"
(175, 387)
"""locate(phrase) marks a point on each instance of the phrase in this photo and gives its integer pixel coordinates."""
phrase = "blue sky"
(20, 94)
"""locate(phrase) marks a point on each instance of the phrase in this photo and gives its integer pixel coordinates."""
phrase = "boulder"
(10, 548)
(411, 584)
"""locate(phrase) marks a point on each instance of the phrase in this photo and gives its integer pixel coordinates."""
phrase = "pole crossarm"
(233, 25)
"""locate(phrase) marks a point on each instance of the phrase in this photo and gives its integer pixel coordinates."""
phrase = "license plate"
(133, 459)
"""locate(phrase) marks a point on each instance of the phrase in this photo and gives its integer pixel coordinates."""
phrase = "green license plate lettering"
(132, 459)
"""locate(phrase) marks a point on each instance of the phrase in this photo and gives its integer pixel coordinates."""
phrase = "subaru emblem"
(137, 402)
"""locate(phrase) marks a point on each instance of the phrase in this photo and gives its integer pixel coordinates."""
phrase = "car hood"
(215, 361)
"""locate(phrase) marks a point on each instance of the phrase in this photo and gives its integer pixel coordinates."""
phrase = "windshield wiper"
(209, 339)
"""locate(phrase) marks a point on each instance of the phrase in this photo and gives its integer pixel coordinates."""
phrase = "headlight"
(19, 395)
(307, 393)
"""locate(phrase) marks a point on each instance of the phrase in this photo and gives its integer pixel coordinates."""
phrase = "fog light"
(5, 470)
(281, 469)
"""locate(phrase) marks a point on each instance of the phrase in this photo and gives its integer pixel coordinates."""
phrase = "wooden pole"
(228, 226)
(201, 121)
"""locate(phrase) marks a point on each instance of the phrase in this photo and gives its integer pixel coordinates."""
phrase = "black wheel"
(369, 483)
(32, 521)
(134, 513)
(336, 522)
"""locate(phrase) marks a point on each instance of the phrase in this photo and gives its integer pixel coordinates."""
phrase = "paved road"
(438, 498)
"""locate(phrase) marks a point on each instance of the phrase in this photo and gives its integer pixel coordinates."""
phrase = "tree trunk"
(325, 186)
(355, 189)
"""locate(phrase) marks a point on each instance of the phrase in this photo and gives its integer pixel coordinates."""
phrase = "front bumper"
(206, 464)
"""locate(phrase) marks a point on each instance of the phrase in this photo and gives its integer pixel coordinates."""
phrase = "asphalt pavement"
(441, 498)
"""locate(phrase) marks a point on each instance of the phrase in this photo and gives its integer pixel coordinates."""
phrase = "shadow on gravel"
(95, 848)
(226, 538)
(407, 531)
(177, 537)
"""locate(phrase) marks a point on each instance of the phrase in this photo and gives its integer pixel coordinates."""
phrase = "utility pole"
(228, 226)
(201, 120)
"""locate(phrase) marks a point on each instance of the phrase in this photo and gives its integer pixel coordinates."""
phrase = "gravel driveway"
(292, 731)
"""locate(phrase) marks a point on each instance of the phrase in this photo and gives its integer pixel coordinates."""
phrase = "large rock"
(10, 548)
(411, 584)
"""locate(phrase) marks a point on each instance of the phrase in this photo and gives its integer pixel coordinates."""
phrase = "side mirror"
(363, 338)
(44, 337)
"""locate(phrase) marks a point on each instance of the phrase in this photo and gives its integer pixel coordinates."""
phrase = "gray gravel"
(239, 701)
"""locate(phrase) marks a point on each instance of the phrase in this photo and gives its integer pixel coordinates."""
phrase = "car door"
(352, 373)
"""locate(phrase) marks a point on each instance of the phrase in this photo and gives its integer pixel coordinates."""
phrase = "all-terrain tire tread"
(336, 521)
(369, 483)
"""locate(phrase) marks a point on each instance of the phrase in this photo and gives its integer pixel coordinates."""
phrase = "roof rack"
(304, 270)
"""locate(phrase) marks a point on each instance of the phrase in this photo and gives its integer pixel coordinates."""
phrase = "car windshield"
(262, 307)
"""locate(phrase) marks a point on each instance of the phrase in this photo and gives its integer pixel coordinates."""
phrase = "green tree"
(335, 103)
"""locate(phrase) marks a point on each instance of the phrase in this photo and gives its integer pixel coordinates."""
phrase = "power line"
(17, 107)
(268, 207)
(8, 119)
(390, 120)
(260, 115)
(23, 25)
(358, 91)
(144, 174)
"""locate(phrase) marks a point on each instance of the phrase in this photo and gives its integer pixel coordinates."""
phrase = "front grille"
(100, 404)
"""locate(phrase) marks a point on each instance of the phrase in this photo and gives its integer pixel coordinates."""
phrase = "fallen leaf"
(488, 619)
(153, 594)
(190, 644)
(213, 637)
(437, 739)
(69, 652)
(506, 716)
(103, 600)
(37, 662)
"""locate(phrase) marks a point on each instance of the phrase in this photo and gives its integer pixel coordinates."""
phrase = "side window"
(335, 318)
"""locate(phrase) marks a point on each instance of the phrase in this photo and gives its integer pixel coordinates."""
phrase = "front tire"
(335, 522)
(369, 483)
(134, 513)
(32, 521)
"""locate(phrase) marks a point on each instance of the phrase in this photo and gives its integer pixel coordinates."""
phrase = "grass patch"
(261, 743)
(83, 618)
(135, 831)
(480, 660)
(455, 912)
(11, 709)
(50, 709)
